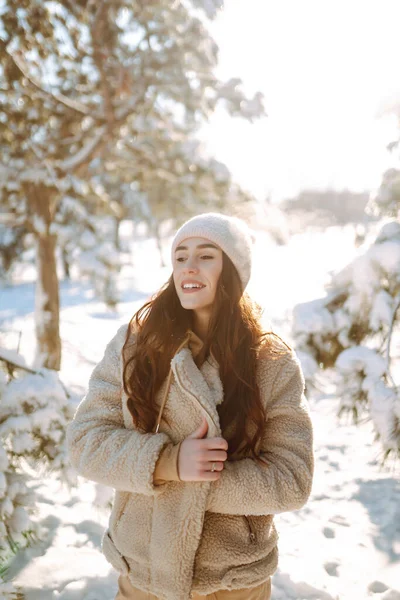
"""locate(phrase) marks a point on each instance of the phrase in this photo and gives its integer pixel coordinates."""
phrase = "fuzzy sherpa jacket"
(183, 537)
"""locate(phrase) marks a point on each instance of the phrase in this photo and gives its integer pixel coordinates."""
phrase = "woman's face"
(197, 266)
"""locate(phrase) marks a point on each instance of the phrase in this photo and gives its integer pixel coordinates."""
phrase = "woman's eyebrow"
(199, 246)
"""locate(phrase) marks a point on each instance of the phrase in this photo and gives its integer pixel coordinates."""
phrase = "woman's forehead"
(196, 242)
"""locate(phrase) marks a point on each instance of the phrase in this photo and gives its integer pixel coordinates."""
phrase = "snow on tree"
(81, 84)
(386, 200)
(351, 329)
(34, 412)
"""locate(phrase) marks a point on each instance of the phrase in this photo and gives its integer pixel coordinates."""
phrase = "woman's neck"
(200, 325)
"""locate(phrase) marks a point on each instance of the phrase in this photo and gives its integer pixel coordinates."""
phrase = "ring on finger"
(213, 467)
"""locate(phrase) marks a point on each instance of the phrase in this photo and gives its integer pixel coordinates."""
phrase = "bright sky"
(327, 70)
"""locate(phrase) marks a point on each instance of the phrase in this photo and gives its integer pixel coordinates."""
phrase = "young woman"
(198, 420)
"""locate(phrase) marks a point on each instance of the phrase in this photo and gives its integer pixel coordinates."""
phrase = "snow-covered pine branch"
(34, 412)
(363, 388)
(350, 330)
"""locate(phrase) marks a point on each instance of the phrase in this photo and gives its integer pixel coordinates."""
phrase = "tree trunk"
(65, 263)
(42, 202)
(117, 239)
(47, 305)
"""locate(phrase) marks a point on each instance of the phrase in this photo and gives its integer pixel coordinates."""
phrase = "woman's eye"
(204, 256)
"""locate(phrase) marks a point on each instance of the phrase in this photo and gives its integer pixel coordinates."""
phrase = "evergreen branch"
(71, 104)
(85, 154)
(100, 139)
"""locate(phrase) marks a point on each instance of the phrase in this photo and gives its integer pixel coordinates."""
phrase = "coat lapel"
(202, 386)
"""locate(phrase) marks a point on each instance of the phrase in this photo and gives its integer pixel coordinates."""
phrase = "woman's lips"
(191, 290)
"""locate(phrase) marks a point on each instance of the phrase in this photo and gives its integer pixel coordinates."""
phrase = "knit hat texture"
(231, 234)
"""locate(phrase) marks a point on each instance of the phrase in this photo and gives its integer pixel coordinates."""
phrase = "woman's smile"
(189, 287)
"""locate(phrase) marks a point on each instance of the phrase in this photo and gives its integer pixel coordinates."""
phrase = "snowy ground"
(343, 545)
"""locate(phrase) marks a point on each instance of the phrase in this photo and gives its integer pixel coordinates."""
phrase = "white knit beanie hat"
(231, 234)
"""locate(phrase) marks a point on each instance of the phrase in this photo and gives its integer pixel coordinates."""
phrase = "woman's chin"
(193, 303)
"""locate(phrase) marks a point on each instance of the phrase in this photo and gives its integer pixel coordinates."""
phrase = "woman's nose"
(191, 266)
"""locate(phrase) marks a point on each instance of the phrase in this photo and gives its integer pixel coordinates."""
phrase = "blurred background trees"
(100, 105)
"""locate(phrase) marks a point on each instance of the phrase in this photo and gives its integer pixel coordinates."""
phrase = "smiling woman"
(197, 418)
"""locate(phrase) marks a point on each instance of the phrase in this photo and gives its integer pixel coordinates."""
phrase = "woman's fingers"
(215, 443)
(207, 466)
(213, 455)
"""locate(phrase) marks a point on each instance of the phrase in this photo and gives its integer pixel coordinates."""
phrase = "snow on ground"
(343, 545)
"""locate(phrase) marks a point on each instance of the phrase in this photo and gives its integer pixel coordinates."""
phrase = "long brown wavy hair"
(235, 337)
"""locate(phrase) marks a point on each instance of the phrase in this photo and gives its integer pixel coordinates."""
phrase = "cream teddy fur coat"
(183, 537)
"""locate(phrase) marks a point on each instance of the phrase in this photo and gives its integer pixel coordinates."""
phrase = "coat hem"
(234, 579)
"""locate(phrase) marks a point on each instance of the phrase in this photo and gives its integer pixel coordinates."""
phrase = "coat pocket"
(123, 508)
(233, 539)
(121, 500)
(113, 556)
(131, 533)
(252, 529)
(261, 530)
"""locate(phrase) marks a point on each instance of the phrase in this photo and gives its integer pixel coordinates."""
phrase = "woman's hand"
(197, 455)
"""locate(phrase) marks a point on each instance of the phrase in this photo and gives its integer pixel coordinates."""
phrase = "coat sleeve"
(167, 466)
(282, 480)
(100, 447)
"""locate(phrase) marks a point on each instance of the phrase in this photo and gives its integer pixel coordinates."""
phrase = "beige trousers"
(126, 591)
